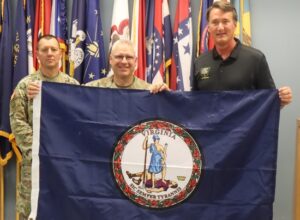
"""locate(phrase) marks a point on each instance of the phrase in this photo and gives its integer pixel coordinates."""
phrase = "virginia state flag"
(127, 154)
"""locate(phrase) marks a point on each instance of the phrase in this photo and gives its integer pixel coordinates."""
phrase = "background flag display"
(58, 28)
(119, 24)
(138, 36)
(41, 24)
(159, 38)
(204, 42)
(236, 133)
(243, 29)
(181, 77)
(168, 39)
(20, 45)
(87, 56)
(22, 52)
(6, 83)
(30, 30)
(120, 21)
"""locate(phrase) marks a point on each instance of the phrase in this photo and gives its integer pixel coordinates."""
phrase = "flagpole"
(18, 165)
(297, 176)
(1, 193)
(18, 168)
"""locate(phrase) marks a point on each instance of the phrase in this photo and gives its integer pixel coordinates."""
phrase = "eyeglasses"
(128, 58)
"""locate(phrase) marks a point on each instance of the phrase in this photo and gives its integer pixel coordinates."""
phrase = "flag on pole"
(155, 46)
(181, 69)
(1, 21)
(243, 29)
(119, 24)
(219, 161)
(41, 24)
(138, 36)
(6, 82)
(30, 30)
(87, 56)
(159, 40)
(204, 42)
(120, 21)
(167, 39)
(58, 28)
(20, 55)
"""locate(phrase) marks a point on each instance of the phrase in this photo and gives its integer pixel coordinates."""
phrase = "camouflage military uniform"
(108, 82)
(21, 124)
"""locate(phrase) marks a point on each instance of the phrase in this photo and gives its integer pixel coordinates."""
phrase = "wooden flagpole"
(1, 193)
(18, 168)
(297, 175)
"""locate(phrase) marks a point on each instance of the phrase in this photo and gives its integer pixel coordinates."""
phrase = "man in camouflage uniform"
(123, 62)
(49, 55)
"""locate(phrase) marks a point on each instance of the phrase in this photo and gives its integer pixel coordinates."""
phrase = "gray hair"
(122, 42)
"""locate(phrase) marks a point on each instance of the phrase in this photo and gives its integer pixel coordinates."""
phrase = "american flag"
(58, 28)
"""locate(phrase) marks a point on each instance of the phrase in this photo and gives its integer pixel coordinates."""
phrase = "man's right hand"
(33, 89)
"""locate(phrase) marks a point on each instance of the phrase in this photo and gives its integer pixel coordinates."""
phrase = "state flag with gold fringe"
(125, 154)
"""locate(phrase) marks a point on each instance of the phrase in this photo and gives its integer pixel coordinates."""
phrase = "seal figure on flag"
(157, 164)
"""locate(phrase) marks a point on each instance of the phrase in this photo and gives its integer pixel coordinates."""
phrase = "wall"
(274, 31)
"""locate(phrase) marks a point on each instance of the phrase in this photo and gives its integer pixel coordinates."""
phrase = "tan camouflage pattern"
(108, 82)
(21, 110)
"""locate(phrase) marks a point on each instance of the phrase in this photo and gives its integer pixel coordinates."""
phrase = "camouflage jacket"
(108, 82)
(21, 125)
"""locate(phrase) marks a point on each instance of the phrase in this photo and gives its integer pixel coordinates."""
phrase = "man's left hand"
(158, 87)
(285, 96)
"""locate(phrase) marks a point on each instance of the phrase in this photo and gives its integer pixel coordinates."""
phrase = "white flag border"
(35, 167)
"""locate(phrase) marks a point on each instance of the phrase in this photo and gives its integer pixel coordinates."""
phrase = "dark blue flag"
(6, 80)
(20, 69)
(87, 56)
(128, 154)
(58, 28)
(22, 51)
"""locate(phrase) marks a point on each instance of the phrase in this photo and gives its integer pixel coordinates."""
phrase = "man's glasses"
(128, 58)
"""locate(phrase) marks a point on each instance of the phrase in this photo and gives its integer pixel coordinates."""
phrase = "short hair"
(122, 42)
(47, 37)
(223, 6)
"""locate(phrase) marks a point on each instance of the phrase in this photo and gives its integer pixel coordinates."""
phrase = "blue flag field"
(128, 154)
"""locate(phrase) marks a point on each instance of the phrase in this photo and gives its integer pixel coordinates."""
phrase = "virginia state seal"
(157, 164)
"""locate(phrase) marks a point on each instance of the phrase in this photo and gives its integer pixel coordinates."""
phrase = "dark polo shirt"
(245, 69)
